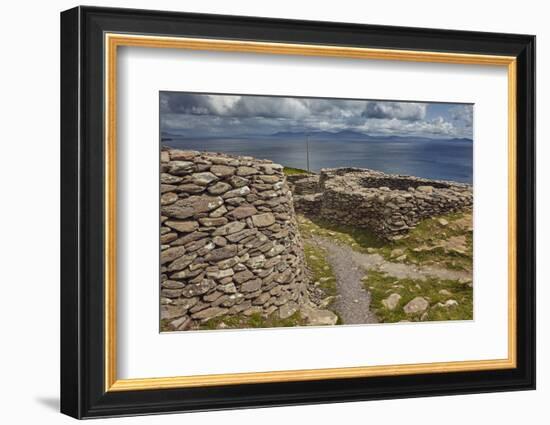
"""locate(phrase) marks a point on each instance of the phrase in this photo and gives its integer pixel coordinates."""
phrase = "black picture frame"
(83, 392)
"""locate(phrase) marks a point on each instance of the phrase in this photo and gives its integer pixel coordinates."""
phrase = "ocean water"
(433, 159)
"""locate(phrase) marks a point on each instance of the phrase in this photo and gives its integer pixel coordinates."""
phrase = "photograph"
(280, 211)
(285, 210)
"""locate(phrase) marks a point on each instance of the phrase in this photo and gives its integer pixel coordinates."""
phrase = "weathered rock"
(251, 285)
(168, 198)
(263, 220)
(392, 301)
(243, 276)
(209, 313)
(447, 304)
(317, 317)
(190, 188)
(198, 288)
(222, 253)
(182, 324)
(425, 189)
(180, 168)
(243, 211)
(196, 245)
(204, 179)
(246, 171)
(172, 284)
(220, 274)
(177, 155)
(396, 252)
(182, 226)
(237, 181)
(168, 237)
(416, 305)
(270, 179)
(167, 188)
(256, 262)
(228, 288)
(219, 188)
(287, 310)
(181, 262)
(219, 212)
(261, 299)
(236, 193)
(166, 178)
(222, 170)
(171, 254)
(213, 221)
(189, 237)
(219, 241)
(229, 228)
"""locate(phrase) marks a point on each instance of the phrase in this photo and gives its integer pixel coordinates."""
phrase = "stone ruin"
(389, 205)
(229, 239)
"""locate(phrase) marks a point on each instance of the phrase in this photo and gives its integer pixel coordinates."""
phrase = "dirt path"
(349, 266)
(353, 301)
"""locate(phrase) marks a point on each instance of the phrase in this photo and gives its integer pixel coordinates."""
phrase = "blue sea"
(433, 159)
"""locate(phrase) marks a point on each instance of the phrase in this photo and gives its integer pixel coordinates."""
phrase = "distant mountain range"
(351, 134)
(316, 135)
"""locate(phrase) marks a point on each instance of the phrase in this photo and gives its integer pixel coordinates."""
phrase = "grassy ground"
(241, 321)
(427, 244)
(165, 326)
(320, 268)
(434, 290)
(255, 320)
(358, 239)
(432, 242)
(289, 171)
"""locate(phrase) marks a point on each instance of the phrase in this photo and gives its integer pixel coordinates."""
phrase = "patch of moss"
(289, 171)
(165, 325)
(232, 322)
(428, 233)
(255, 320)
(381, 286)
(358, 238)
(320, 268)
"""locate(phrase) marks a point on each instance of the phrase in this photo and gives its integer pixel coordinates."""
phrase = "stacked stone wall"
(229, 239)
(388, 205)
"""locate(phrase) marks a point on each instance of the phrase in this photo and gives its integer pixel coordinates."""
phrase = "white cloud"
(202, 114)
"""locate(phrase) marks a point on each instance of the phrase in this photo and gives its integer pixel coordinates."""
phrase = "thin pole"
(307, 151)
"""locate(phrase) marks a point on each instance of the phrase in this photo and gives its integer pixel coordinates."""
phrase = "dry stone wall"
(229, 239)
(389, 205)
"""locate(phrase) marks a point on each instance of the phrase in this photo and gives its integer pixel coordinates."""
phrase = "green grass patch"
(428, 233)
(165, 325)
(320, 268)
(255, 320)
(358, 238)
(289, 171)
(437, 237)
(381, 286)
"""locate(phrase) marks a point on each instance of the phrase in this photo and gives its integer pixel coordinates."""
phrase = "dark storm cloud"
(214, 115)
(395, 110)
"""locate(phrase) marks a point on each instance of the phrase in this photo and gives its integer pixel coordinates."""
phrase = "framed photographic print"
(261, 212)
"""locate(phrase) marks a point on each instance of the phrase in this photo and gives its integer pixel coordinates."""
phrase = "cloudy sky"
(208, 115)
